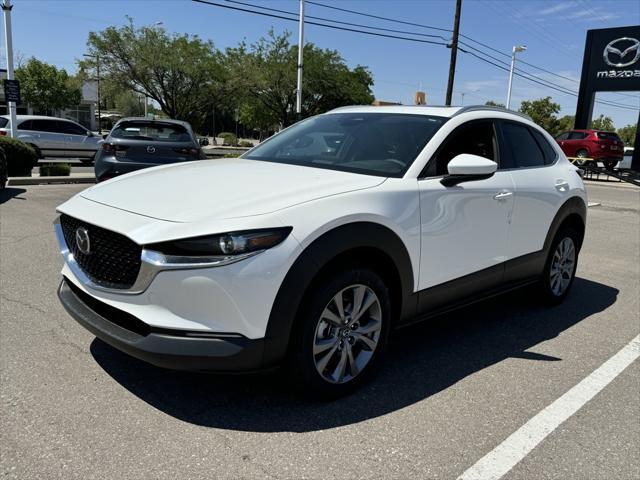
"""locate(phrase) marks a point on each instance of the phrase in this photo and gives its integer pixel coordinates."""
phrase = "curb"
(49, 180)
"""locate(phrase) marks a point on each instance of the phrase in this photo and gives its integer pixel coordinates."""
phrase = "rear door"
(540, 188)
(49, 138)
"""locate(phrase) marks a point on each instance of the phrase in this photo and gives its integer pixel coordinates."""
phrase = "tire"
(345, 356)
(560, 269)
(582, 153)
(609, 165)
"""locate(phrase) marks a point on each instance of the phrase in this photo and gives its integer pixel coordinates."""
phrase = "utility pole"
(462, 99)
(454, 52)
(300, 59)
(6, 10)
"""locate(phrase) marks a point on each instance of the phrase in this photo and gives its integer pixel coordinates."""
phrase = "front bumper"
(167, 348)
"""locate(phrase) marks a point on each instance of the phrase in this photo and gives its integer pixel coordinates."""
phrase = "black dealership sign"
(12, 91)
(611, 64)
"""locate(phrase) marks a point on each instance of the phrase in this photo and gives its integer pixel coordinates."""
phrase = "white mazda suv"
(308, 249)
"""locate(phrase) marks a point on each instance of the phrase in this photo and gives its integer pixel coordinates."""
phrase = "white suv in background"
(54, 137)
(313, 245)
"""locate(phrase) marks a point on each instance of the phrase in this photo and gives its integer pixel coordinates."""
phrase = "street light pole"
(98, 88)
(516, 49)
(6, 10)
(300, 58)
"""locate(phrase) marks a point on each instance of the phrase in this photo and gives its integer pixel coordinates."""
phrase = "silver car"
(54, 137)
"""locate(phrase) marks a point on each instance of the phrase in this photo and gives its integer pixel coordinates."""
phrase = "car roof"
(435, 110)
(37, 117)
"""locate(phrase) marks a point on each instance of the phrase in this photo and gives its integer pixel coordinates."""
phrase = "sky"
(554, 32)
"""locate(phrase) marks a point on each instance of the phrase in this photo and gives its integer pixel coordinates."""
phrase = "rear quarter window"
(3, 122)
(549, 152)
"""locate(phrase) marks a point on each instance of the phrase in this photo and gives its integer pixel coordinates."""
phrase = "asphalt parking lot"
(451, 391)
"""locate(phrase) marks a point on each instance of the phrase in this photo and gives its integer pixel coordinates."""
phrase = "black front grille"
(113, 260)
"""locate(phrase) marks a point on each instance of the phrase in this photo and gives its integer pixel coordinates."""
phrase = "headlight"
(225, 244)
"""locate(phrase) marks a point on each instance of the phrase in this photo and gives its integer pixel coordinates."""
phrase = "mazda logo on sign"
(82, 240)
(151, 149)
(622, 52)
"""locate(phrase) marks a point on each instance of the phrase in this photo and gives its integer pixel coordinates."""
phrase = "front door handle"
(503, 195)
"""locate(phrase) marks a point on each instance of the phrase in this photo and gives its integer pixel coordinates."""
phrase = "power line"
(448, 30)
(335, 27)
(336, 21)
(519, 72)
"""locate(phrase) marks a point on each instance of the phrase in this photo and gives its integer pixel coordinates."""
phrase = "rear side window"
(151, 131)
(608, 136)
(50, 126)
(549, 152)
(577, 136)
(523, 150)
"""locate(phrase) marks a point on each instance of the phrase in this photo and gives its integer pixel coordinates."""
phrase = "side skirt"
(476, 287)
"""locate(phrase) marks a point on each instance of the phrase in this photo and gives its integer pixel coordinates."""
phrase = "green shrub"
(20, 157)
(231, 155)
(228, 138)
(55, 170)
(245, 143)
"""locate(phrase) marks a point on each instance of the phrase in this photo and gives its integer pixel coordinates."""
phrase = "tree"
(264, 76)
(180, 72)
(47, 88)
(603, 123)
(628, 134)
(564, 123)
(491, 103)
(543, 112)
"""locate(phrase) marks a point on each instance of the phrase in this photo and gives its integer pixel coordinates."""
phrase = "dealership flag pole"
(6, 10)
(300, 59)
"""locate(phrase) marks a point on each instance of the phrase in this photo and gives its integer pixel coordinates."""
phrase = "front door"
(465, 227)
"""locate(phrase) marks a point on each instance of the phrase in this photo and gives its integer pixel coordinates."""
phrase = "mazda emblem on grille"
(151, 149)
(82, 240)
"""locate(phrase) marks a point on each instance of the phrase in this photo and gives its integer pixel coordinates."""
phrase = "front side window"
(523, 150)
(382, 144)
(151, 131)
(476, 138)
(577, 136)
(563, 136)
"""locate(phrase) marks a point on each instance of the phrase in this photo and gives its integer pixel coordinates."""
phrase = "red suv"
(592, 146)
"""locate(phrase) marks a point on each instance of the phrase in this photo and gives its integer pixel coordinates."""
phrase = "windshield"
(151, 131)
(382, 144)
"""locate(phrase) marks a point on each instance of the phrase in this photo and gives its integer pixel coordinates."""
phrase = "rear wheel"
(582, 155)
(342, 334)
(560, 268)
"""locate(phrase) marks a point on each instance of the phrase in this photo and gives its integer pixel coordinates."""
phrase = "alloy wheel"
(347, 334)
(562, 266)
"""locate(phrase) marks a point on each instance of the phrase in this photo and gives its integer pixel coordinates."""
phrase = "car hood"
(222, 189)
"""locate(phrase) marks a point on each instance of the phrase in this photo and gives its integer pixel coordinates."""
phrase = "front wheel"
(560, 268)
(342, 333)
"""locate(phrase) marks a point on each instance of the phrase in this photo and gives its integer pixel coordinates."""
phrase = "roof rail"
(474, 108)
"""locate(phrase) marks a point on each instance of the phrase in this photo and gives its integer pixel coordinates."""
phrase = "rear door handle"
(503, 195)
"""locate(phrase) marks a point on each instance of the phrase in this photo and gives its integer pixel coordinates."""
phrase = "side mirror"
(467, 167)
(89, 133)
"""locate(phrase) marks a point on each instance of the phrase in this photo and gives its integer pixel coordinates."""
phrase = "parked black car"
(136, 143)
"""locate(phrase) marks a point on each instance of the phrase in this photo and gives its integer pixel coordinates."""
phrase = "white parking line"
(506, 455)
